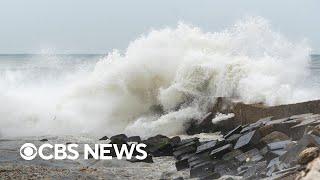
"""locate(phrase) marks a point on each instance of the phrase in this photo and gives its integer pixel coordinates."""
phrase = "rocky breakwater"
(283, 143)
(269, 148)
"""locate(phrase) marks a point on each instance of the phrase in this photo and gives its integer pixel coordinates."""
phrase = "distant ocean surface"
(20, 69)
(41, 68)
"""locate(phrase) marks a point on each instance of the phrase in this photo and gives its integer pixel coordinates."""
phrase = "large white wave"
(180, 69)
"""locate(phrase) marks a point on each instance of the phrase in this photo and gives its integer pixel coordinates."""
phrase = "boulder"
(182, 164)
(148, 159)
(192, 143)
(185, 150)
(134, 139)
(247, 140)
(280, 145)
(159, 145)
(175, 141)
(233, 138)
(226, 167)
(292, 154)
(119, 139)
(236, 130)
(275, 136)
(219, 152)
(185, 141)
(207, 146)
(104, 138)
(250, 156)
(231, 155)
(203, 125)
(201, 170)
(213, 175)
(256, 171)
(308, 155)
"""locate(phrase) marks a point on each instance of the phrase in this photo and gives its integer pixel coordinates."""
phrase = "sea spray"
(182, 70)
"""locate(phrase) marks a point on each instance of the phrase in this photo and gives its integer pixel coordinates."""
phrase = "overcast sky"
(97, 26)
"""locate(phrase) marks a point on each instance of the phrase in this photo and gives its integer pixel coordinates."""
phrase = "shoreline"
(288, 134)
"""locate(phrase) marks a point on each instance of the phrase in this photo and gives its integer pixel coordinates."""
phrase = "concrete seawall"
(249, 113)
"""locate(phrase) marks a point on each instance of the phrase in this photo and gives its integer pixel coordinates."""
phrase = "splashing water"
(179, 69)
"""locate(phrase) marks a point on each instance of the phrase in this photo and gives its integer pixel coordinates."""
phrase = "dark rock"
(236, 130)
(264, 150)
(43, 140)
(206, 147)
(104, 138)
(268, 155)
(148, 159)
(203, 169)
(256, 171)
(274, 162)
(248, 139)
(203, 125)
(199, 159)
(250, 156)
(274, 137)
(134, 139)
(225, 125)
(119, 139)
(159, 145)
(233, 138)
(292, 154)
(226, 167)
(315, 140)
(187, 150)
(219, 152)
(187, 156)
(251, 127)
(182, 164)
(280, 125)
(156, 109)
(278, 152)
(192, 143)
(285, 127)
(285, 172)
(300, 129)
(273, 166)
(213, 175)
(203, 156)
(206, 120)
(185, 141)
(279, 145)
(231, 155)
(175, 141)
(197, 162)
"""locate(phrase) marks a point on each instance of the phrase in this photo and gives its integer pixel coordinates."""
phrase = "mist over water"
(180, 69)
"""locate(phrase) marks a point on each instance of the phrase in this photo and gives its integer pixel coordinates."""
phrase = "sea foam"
(179, 70)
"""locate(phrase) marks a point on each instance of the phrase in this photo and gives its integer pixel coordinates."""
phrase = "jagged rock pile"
(268, 148)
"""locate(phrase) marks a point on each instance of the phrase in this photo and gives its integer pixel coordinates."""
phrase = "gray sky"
(97, 26)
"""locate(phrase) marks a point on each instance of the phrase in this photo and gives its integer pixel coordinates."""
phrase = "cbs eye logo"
(28, 151)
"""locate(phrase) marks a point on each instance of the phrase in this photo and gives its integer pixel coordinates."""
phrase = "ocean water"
(181, 69)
